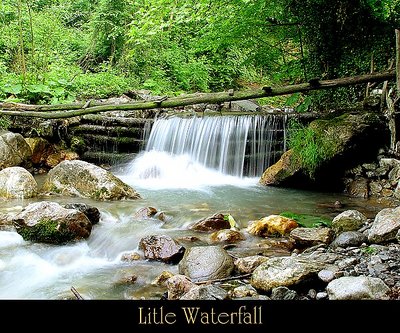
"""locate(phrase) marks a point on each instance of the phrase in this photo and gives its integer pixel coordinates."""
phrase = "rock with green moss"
(14, 151)
(82, 179)
(49, 222)
(321, 152)
(17, 183)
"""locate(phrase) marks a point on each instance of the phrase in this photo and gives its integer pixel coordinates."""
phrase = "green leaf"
(38, 88)
(14, 89)
(308, 221)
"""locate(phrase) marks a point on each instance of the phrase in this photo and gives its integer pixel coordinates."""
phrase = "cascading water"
(209, 150)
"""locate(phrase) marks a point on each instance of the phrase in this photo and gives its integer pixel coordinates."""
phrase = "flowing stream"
(191, 169)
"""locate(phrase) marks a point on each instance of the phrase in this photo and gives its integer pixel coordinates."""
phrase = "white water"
(233, 145)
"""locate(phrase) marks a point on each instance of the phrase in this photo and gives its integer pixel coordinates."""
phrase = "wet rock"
(145, 213)
(49, 222)
(161, 280)
(59, 156)
(14, 151)
(288, 271)
(398, 236)
(357, 288)
(92, 213)
(161, 248)
(207, 292)
(249, 264)
(131, 256)
(178, 285)
(349, 238)
(201, 263)
(271, 225)
(82, 179)
(212, 223)
(6, 222)
(312, 236)
(385, 226)
(278, 173)
(226, 236)
(349, 220)
(41, 149)
(17, 183)
(243, 291)
(358, 188)
(283, 293)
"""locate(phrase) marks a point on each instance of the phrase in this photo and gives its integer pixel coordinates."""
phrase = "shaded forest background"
(58, 51)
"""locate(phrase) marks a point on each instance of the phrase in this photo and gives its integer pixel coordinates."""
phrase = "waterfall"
(241, 146)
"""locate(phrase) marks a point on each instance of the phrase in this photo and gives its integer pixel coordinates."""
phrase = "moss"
(101, 194)
(78, 144)
(47, 231)
(308, 221)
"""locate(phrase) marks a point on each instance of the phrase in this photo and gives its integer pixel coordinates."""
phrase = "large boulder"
(201, 263)
(357, 288)
(161, 248)
(385, 226)
(14, 150)
(49, 222)
(82, 179)
(350, 138)
(289, 271)
(17, 182)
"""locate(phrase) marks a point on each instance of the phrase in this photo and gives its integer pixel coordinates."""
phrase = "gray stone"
(349, 238)
(321, 295)
(201, 263)
(326, 275)
(82, 179)
(207, 292)
(162, 248)
(283, 293)
(385, 226)
(17, 183)
(249, 264)
(349, 220)
(92, 213)
(14, 150)
(243, 291)
(289, 271)
(312, 236)
(178, 285)
(357, 288)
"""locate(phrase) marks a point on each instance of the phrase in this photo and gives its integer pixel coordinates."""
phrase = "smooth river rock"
(357, 288)
(208, 292)
(49, 222)
(385, 226)
(349, 238)
(17, 183)
(14, 150)
(83, 179)
(212, 223)
(349, 220)
(178, 285)
(92, 213)
(201, 263)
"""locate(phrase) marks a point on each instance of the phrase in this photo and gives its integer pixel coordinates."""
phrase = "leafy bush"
(309, 147)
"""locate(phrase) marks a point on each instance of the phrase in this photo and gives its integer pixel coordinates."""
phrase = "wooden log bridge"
(79, 109)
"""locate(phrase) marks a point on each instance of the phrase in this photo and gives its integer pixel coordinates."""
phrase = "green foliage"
(308, 221)
(5, 122)
(309, 147)
(46, 231)
(55, 51)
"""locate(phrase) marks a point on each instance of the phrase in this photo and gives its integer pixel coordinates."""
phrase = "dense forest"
(58, 51)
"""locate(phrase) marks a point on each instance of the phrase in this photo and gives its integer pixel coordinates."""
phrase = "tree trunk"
(398, 61)
(67, 111)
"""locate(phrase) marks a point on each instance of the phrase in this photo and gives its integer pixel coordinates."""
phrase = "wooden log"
(210, 98)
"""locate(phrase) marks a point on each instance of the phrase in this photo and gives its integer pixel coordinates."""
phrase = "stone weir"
(115, 137)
